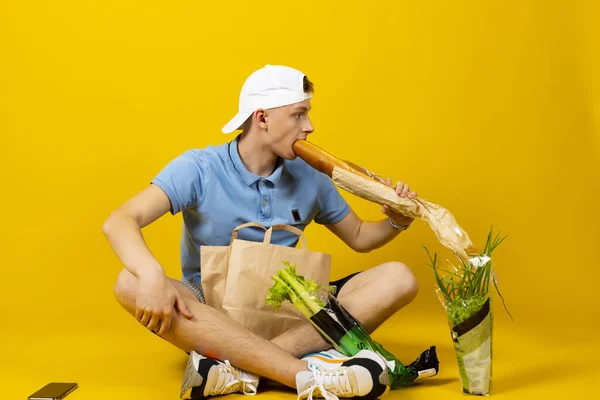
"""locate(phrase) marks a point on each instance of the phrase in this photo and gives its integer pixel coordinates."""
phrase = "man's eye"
(298, 116)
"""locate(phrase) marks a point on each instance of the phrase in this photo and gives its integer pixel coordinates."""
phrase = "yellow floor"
(126, 362)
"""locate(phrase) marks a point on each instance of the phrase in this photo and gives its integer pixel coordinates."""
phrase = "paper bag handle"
(289, 228)
(234, 234)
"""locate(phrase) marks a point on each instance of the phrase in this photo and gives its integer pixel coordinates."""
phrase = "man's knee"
(402, 279)
(125, 288)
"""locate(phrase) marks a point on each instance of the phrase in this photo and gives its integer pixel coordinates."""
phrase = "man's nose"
(308, 128)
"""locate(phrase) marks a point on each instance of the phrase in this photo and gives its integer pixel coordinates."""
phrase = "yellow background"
(489, 108)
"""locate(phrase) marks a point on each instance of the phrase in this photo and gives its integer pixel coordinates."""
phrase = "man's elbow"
(360, 248)
(110, 222)
(106, 226)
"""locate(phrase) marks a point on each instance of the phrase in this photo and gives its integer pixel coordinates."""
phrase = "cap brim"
(236, 122)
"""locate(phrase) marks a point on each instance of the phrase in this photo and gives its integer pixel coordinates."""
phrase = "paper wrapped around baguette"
(363, 183)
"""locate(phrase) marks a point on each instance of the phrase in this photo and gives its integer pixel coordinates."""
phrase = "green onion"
(466, 290)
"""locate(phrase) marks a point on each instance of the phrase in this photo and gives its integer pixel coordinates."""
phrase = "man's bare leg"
(211, 333)
(371, 297)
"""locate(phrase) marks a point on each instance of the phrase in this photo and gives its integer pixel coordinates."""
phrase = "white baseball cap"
(269, 87)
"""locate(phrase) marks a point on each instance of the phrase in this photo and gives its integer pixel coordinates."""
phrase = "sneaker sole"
(191, 378)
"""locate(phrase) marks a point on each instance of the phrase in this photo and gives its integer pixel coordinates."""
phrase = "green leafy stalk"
(291, 286)
(500, 294)
(466, 290)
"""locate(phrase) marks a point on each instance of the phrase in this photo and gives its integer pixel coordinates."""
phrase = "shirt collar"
(249, 177)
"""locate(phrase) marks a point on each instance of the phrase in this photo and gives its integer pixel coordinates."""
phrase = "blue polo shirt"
(215, 192)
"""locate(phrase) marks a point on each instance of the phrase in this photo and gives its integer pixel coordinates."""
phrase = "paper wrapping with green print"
(464, 290)
(473, 347)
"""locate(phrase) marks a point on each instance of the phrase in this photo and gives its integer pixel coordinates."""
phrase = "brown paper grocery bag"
(236, 279)
(214, 266)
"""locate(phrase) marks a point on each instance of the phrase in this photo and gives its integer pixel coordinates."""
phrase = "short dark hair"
(309, 87)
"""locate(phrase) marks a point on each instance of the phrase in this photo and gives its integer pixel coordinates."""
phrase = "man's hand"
(156, 301)
(403, 190)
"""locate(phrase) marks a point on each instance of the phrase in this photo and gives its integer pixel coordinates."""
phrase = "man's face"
(286, 125)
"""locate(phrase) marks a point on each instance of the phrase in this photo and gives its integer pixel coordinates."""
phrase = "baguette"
(367, 185)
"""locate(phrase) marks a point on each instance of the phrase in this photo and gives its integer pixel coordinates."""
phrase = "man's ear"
(260, 116)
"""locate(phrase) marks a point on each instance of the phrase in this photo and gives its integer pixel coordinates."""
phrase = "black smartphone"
(53, 391)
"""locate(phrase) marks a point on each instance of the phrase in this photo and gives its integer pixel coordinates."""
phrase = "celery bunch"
(302, 293)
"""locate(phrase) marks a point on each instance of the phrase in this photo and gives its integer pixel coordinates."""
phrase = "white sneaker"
(327, 359)
(365, 375)
(206, 377)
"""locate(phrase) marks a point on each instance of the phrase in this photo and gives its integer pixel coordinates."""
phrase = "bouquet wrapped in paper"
(464, 290)
(339, 328)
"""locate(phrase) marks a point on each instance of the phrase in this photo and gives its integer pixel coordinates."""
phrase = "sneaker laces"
(328, 381)
(229, 379)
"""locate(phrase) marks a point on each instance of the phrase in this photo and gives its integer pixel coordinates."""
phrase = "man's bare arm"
(123, 229)
(156, 298)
